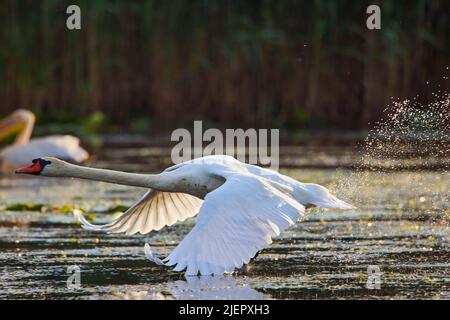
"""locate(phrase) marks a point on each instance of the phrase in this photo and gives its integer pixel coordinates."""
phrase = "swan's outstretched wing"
(235, 221)
(154, 211)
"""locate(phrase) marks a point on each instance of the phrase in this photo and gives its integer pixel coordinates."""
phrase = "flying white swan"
(62, 146)
(240, 207)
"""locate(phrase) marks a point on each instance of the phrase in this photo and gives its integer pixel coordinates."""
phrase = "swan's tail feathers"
(321, 197)
(79, 155)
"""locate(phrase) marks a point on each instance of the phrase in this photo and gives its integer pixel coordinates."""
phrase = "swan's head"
(45, 166)
(15, 122)
(24, 115)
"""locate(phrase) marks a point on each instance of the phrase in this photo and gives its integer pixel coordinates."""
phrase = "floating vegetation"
(65, 209)
(117, 208)
(25, 207)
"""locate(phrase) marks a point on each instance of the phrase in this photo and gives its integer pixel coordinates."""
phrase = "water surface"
(401, 226)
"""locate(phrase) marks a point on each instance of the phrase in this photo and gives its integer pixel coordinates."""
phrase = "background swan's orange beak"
(9, 126)
(33, 168)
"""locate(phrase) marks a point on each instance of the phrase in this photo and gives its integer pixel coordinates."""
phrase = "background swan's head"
(45, 166)
(18, 120)
(24, 115)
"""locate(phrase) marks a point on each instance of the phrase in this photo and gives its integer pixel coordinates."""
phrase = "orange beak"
(34, 168)
(10, 126)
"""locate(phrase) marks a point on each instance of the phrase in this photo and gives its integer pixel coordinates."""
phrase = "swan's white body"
(64, 147)
(24, 148)
(240, 208)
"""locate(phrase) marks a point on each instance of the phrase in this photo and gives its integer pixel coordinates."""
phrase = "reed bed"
(262, 63)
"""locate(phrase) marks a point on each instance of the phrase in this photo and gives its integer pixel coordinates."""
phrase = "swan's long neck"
(154, 181)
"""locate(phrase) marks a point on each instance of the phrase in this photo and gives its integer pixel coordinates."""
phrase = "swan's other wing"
(235, 221)
(154, 211)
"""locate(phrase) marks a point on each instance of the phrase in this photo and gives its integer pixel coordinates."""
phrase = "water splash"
(412, 138)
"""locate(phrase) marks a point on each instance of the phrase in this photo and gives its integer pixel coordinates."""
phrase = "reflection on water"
(208, 288)
(400, 225)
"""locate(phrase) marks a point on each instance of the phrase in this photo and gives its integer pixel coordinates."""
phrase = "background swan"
(22, 122)
(240, 207)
